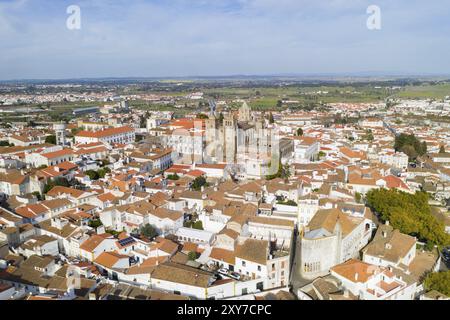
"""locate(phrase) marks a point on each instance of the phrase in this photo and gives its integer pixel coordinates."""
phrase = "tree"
(174, 176)
(103, 171)
(285, 171)
(271, 119)
(439, 281)
(358, 197)
(104, 162)
(202, 116)
(291, 203)
(192, 255)
(197, 225)
(38, 195)
(410, 145)
(279, 104)
(95, 223)
(56, 182)
(50, 139)
(368, 136)
(299, 132)
(74, 131)
(221, 117)
(4, 143)
(410, 213)
(148, 231)
(93, 175)
(442, 149)
(198, 183)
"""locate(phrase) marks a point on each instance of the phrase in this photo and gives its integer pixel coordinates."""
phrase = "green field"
(438, 91)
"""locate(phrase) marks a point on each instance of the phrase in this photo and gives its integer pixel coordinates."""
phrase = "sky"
(168, 38)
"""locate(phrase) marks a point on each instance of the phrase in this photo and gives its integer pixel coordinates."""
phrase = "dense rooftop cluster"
(233, 204)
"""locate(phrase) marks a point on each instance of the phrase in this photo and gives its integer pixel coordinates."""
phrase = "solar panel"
(126, 241)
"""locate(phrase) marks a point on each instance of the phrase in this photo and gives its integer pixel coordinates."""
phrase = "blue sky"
(159, 38)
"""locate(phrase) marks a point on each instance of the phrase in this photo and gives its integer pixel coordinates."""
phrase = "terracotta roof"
(328, 219)
(58, 190)
(253, 250)
(57, 154)
(109, 259)
(223, 255)
(390, 244)
(182, 274)
(104, 133)
(355, 270)
(92, 243)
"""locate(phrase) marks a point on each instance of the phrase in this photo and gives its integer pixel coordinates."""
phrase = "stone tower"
(60, 132)
(229, 138)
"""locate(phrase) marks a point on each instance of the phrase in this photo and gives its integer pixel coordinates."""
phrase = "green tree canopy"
(279, 104)
(202, 116)
(197, 225)
(193, 255)
(439, 281)
(103, 171)
(410, 213)
(93, 175)
(50, 139)
(410, 145)
(198, 183)
(55, 182)
(174, 176)
(148, 231)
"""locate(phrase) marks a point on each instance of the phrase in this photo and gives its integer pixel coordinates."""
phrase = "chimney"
(356, 276)
(387, 222)
(384, 233)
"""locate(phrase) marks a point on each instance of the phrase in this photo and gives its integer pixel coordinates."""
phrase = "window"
(259, 268)
(243, 263)
(260, 286)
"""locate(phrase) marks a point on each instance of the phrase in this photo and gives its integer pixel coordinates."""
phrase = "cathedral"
(236, 136)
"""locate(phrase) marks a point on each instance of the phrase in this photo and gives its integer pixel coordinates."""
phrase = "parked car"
(223, 271)
(235, 276)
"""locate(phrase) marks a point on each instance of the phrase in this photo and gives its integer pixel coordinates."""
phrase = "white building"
(369, 282)
(331, 238)
(195, 236)
(256, 260)
(305, 149)
(122, 135)
(390, 247)
(395, 159)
